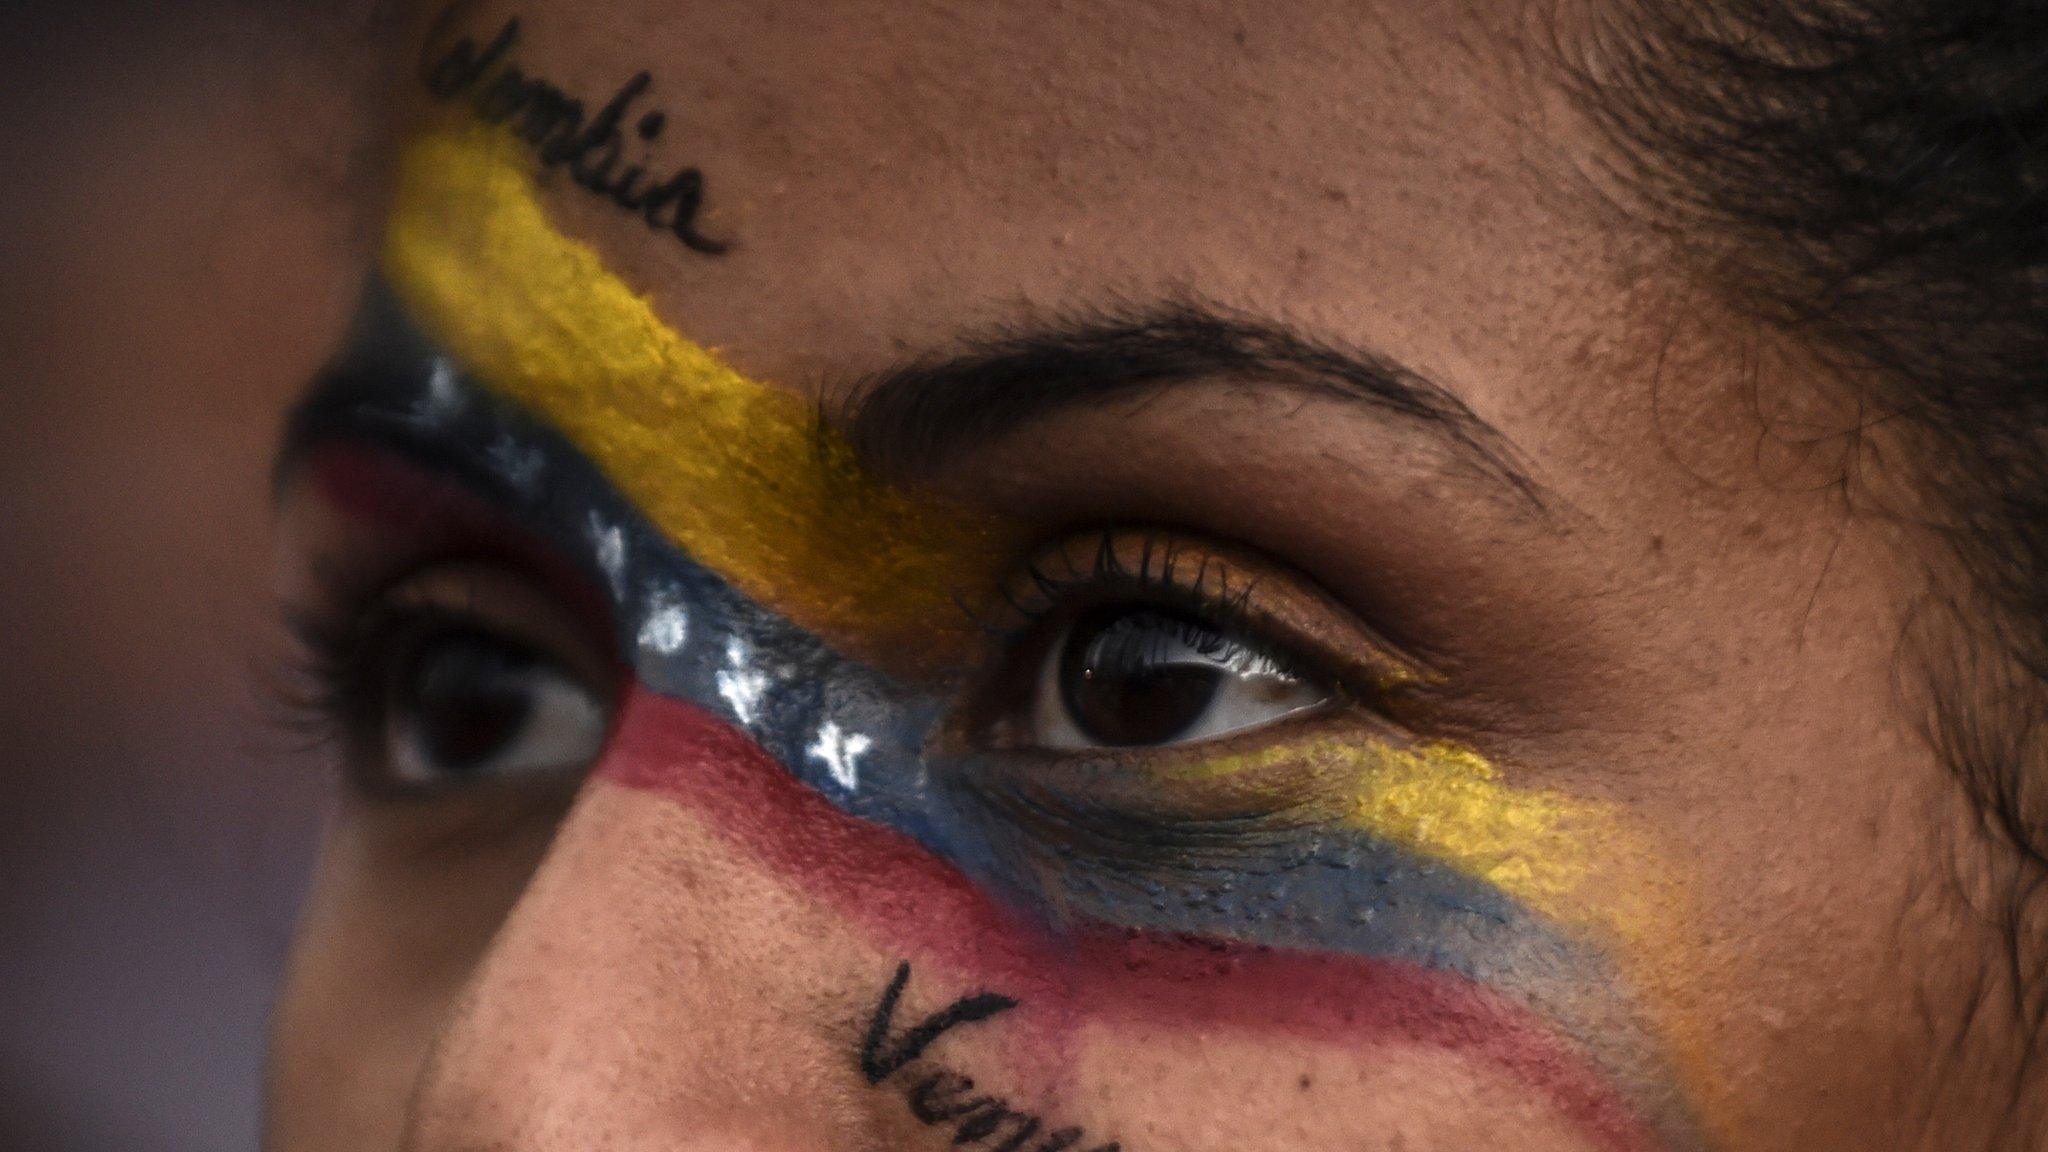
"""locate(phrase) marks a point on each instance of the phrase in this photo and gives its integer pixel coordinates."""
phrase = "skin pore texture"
(1613, 831)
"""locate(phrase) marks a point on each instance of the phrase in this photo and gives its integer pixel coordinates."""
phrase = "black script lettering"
(463, 66)
(936, 1098)
(988, 1120)
(539, 105)
(686, 194)
(602, 131)
(621, 191)
(551, 121)
(878, 1065)
(942, 1096)
(501, 97)
(548, 113)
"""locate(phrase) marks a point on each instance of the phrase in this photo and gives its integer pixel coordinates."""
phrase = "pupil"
(1116, 687)
(466, 700)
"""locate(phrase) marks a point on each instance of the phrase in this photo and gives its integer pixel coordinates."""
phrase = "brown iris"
(1124, 688)
(464, 697)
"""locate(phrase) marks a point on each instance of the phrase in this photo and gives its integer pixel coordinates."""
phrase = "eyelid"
(369, 516)
(343, 639)
(1251, 598)
(1234, 588)
(501, 600)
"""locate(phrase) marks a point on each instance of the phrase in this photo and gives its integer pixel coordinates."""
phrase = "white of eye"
(1137, 676)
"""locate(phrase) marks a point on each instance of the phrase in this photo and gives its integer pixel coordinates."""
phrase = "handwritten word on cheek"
(563, 132)
(941, 1098)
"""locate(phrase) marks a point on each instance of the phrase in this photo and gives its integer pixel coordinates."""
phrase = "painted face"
(930, 789)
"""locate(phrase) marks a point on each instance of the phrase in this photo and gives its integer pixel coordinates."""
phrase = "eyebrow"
(914, 419)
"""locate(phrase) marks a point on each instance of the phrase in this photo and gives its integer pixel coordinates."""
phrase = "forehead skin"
(1309, 165)
(1697, 632)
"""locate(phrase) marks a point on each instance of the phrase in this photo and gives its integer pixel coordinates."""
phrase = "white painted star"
(610, 540)
(443, 399)
(841, 752)
(519, 464)
(666, 628)
(742, 685)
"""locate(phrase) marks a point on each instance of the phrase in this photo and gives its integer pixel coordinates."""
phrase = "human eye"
(1141, 639)
(457, 677)
(1133, 674)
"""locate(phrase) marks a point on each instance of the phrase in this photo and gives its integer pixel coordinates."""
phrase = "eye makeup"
(743, 476)
(752, 571)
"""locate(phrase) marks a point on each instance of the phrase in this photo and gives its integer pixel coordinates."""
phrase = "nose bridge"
(647, 991)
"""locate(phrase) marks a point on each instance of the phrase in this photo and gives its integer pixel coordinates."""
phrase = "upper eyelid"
(1056, 573)
(340, 643)
(416, 514)
(1255, 601)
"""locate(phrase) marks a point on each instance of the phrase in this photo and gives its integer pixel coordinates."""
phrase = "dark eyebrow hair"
(913, 419)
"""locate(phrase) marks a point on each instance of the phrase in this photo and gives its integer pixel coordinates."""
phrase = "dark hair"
(1871, 176)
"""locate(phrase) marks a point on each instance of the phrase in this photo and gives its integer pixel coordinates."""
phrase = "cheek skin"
(1101, 979)
(402, 907)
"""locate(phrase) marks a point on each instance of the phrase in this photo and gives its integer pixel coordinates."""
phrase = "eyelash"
(329, 689)
(325, 693)
(1149, 567)
(314, 689)
(1053, 582)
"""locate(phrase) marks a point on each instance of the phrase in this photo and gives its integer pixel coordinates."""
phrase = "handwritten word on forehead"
(562, 130)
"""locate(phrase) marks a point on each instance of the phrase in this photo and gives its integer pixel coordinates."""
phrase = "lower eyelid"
(1070, 823)
(1277, 774)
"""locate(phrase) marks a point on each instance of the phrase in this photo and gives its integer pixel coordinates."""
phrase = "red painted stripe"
(921, 907)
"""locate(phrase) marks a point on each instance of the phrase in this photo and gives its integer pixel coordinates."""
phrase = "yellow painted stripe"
(743, 476)
(1580, 863)
(1446, 803)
